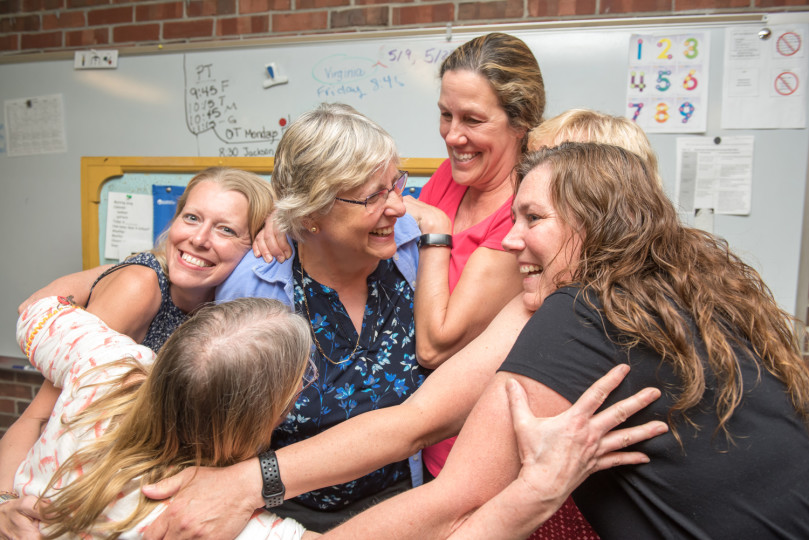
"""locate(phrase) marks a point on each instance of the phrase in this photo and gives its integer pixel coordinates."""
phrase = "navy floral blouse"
(382, 372)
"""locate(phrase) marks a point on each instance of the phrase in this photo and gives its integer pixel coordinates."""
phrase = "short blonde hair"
(585, 125)
(327, 150)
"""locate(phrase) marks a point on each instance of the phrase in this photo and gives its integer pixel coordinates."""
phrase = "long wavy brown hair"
(218, 387)
(654, 276)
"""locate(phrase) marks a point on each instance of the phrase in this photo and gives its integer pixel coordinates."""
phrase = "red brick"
(8, 406)
(262, 6)
(237, 26)
(506, 9)
(635, 6)
(6, 420)
(26, 23)
(117, 15)
(10, 6)
(10, 42)
(136, 33)
(683, 5)
(159, 12)
(12, 390)
(188, 29)
(34, 378)
(41, 5)
(206, 8)
(67, 19)
(559, 8)
(86, 3)
(49, 40)
(315, 4)
(423, 14)
(87, 38)
(298, 22)
(370, 16)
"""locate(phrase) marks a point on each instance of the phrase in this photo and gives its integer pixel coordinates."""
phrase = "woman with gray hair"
(352, 274)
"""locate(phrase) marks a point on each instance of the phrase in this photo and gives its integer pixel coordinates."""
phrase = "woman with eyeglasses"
(352, 275)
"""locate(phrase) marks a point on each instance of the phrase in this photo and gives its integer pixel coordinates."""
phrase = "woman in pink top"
(492, 94)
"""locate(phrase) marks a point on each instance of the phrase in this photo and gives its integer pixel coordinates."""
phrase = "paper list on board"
(129, 225)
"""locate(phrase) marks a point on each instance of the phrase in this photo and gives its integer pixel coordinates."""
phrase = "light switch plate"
(94, 59)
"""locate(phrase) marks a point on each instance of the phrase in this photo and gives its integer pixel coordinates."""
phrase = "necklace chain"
(314, 334)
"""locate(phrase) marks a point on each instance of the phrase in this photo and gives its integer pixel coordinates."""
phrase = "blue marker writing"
(640, 44)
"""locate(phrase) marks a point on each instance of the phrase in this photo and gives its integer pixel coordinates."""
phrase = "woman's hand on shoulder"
(429, 218)
(207, 502)
(270, 243)
(127, 300)
(558, 453)
(20, 519)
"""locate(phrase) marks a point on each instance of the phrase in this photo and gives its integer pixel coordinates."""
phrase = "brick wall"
(52, 25)
(17, 389)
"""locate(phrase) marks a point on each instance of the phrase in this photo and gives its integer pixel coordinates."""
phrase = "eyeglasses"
(372, 202)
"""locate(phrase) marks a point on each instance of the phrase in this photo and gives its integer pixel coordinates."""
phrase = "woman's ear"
(311, 225)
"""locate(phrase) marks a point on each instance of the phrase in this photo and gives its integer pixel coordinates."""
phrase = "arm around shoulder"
(446, 322)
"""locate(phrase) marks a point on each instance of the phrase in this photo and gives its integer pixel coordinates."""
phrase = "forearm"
(510, 515)
(23, 433)
(445, 322)
(358, 447)
(438, 336)
(423, 513)
(14, 446)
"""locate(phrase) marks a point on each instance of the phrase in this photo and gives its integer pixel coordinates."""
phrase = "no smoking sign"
(786, 83)
(788, 44)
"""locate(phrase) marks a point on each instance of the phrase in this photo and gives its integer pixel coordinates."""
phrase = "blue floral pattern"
(382, 372)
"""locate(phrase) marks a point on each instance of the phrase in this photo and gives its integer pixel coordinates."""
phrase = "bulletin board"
(218, 102)
(137, 174)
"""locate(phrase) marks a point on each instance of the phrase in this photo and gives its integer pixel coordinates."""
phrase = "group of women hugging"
(297, 357)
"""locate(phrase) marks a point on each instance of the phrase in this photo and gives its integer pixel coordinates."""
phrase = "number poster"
(667, 82)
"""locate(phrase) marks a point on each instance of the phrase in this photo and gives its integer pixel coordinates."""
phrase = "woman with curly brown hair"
(615, 278)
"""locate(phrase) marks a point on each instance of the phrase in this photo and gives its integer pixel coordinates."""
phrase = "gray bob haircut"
(327, 150)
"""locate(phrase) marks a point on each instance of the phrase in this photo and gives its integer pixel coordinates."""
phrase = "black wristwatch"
(273, 489)
(443, 240)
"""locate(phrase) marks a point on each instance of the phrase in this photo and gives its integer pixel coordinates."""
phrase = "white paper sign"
(35, 125)
(129, 225)
(765, 79)
(715, 174)
(667, 82)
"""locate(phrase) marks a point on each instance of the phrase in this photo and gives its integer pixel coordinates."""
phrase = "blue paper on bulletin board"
(165, 204)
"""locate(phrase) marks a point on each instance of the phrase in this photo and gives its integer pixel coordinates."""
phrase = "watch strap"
(273, 489)
(443, 240)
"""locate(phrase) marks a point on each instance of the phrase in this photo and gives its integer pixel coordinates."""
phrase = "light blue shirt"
(253, 277)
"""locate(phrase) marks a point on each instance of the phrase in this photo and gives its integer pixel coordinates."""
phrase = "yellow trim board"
(95, 171)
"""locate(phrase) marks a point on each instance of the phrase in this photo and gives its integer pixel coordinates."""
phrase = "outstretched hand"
(558, 453)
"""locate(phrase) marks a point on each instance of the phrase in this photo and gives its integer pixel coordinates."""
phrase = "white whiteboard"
(160, 105)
